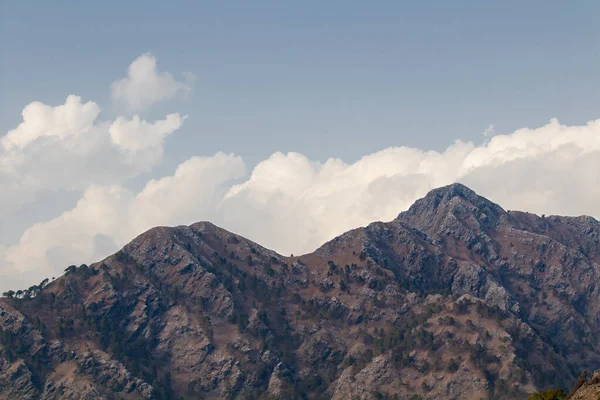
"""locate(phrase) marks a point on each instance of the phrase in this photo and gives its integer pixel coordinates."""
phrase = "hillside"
(456, 298)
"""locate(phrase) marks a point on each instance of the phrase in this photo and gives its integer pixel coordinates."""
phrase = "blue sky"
(310, 103)
(322, 78)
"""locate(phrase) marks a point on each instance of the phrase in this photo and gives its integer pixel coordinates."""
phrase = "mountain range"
(456, 298)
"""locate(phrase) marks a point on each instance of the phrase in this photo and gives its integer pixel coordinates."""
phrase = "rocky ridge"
(454, 299)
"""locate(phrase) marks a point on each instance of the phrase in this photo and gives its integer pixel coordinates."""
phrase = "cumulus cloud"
(106, 217)
(145, 85)
(70, 237)
(40, 120)
(554, 169)
(293, 204)
(136, 134)
(305, 203)
(194, 192)
(66, 147)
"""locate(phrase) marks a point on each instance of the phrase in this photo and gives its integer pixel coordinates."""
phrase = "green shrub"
(554, 394)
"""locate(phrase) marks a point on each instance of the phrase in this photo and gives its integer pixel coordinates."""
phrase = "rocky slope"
(588, 390)
(454, 299)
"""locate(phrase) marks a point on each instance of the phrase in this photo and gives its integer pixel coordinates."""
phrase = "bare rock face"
(454, 299)
(16, 381)
(586, 389)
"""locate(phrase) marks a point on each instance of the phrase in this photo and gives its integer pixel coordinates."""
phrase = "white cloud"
(302, 204)
(106, 217)
(135, 134)
(65, 147)
(145, 85)
(42, 121)
(194, 192)
(70, 238)
(293, 204)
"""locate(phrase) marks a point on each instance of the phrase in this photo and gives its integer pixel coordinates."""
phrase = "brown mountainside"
(454, 299)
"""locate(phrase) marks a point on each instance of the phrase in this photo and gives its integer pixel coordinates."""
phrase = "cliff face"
(454, 299)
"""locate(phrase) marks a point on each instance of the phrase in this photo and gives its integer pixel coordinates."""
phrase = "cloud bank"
(287, 202)
(66, 147)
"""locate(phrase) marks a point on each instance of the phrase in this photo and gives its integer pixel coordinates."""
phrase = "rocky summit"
(456, 298)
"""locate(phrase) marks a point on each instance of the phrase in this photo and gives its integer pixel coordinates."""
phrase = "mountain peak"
(454, 189)
(443, 194)
(457, 200)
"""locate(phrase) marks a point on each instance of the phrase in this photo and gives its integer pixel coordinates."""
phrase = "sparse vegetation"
(233, 321)
(554, 394)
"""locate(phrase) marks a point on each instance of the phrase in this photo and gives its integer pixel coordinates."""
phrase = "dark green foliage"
(487, 311)
(310, 384)
(448, 321)
(480, 356)
(452, 365)
(121, 256)
(377, 284)
(554, 394)
(343, 286)
(241, 320)
(70, 268)
(233, 239)
(268, 269)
